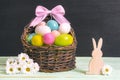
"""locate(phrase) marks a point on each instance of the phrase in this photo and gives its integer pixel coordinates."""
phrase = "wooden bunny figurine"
(96, 63)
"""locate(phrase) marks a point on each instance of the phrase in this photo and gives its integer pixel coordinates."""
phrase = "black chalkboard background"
(89, 18)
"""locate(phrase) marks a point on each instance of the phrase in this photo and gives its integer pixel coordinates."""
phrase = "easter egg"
(55, 33)
(48, 38)
(29, 37)
(37, 40)
(53, 25)
(64, 40)
(42, 30)
(42, 23)
(64, 28)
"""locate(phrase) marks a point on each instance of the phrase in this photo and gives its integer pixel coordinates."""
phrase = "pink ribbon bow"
(57, 13)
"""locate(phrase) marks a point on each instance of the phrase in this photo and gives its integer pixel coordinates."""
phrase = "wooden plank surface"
(77, 73)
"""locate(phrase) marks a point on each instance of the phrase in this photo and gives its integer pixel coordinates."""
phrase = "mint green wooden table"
(77, 74)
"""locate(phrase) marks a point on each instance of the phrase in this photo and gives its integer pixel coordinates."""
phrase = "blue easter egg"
(53, 24)
(29, 37)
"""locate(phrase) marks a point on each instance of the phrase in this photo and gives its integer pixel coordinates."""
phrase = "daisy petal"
(11, 61)
(10, 69)
(36, 67)
(106, 70)
(23, 57)
(27, 69)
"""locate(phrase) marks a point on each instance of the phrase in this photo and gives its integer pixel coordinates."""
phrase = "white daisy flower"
(18, 62)
(29, 61)
(27, 69)
(11, 61)
(23, 57)
(10, 69)
(36, 67)
(106, 70)
(18, 68)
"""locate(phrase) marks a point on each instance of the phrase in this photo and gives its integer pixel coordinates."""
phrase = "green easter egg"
(64, 40)
(29, 37)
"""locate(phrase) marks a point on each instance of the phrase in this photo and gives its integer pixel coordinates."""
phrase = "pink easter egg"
(55, 33)
(64, 28)
(42, 30)
(48, 38)
(42, 23)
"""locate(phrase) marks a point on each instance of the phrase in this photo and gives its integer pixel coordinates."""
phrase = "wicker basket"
(51, 58)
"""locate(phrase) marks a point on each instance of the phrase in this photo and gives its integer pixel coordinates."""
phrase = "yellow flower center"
(11, 69)
(107, 70)
(19, 69)
(28, 69)
(10, 62)
(23, 58)
(28, 62)
(18, 63)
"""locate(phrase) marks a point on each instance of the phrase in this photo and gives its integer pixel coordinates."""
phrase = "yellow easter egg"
(37, 40)
(64, 40)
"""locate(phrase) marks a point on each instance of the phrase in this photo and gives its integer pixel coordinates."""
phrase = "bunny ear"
(100, 42)
(94, 43)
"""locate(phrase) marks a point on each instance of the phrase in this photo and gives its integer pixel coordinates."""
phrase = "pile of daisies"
(21, 64)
